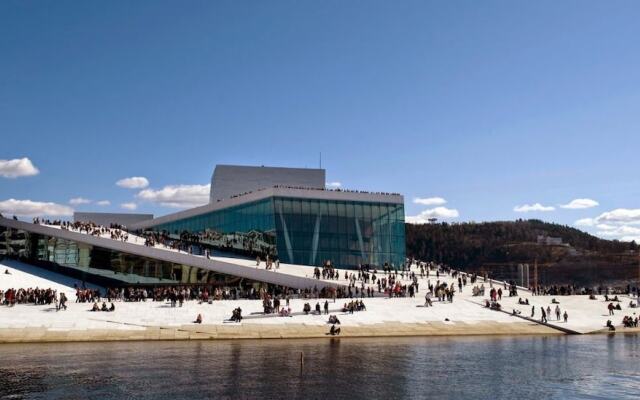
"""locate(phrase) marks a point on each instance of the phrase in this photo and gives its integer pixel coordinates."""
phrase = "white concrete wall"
(231, 180)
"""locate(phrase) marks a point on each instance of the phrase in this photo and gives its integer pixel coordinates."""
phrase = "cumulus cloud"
(135, 182)
(415, 219)
(533, 207)
(17, 167)
(79, 200)
(578, 204)
(333, 185)
(621, 223)
(103, 203)
(129, 206)
(618, 232)
(28, 208)
(177, 196)
(621, 216)
(429, 201)
(585, 222)
(437, 212)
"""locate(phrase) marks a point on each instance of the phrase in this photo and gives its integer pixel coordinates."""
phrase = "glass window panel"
(333, 208)
(359, 212)
(305, 207)
(367, 211)
(350, 210)
(333, 224)
(314, 208)
(375, 212)
(324, 208)
(296, 209)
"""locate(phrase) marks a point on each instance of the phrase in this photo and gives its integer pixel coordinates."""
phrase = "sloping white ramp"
(16, 275)
(298, 277)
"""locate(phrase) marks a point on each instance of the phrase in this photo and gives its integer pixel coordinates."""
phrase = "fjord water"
(533, 367)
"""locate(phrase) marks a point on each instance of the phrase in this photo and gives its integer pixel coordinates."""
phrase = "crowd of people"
(178, 294)
(207, 293)
(84, 295)
(556, 290)
(35, 296)
(629, 322)
(365, 281)
(104, 307)
(114, 231)
(307, 188)
(354, 305)
(206, 242)
(569, 290)
(333, 190)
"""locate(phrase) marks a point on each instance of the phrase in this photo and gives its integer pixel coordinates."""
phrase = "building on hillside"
(549, 241)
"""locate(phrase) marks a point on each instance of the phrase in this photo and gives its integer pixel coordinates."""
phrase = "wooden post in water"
(301, 361)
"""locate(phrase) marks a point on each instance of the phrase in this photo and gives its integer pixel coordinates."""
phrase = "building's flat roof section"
(303, 193)
(230, 180)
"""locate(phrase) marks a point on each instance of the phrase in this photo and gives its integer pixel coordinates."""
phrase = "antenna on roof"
(320, 160)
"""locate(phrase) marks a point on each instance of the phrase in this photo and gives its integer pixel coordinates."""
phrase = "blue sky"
(489, 105)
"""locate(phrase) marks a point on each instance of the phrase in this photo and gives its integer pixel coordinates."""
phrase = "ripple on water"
(535, 367)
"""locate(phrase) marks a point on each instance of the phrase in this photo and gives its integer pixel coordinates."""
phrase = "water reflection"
(471, 368)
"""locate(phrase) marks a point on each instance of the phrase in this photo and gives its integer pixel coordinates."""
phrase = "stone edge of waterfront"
(258, 331)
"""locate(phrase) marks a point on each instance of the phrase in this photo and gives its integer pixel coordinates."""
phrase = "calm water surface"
(580, 367)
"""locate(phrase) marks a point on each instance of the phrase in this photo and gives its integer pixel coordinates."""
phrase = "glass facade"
(248, 228)
(304, 231)
(104, 266)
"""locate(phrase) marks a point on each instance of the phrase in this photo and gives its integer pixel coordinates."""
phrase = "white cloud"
(617, 231)
(28, 208)
(129, 206)
(605, 227)
(103, 203)
(429, 201)
(414, 219)
(178, 196)
(578, 204)
(585, 222)
(438, 213)
(621, 216)
(79, 200)
(135, 182)
(533, 207)
(333, 185)
(17, 167)
(621, 223)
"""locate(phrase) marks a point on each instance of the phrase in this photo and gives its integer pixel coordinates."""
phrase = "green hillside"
(471, 245)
